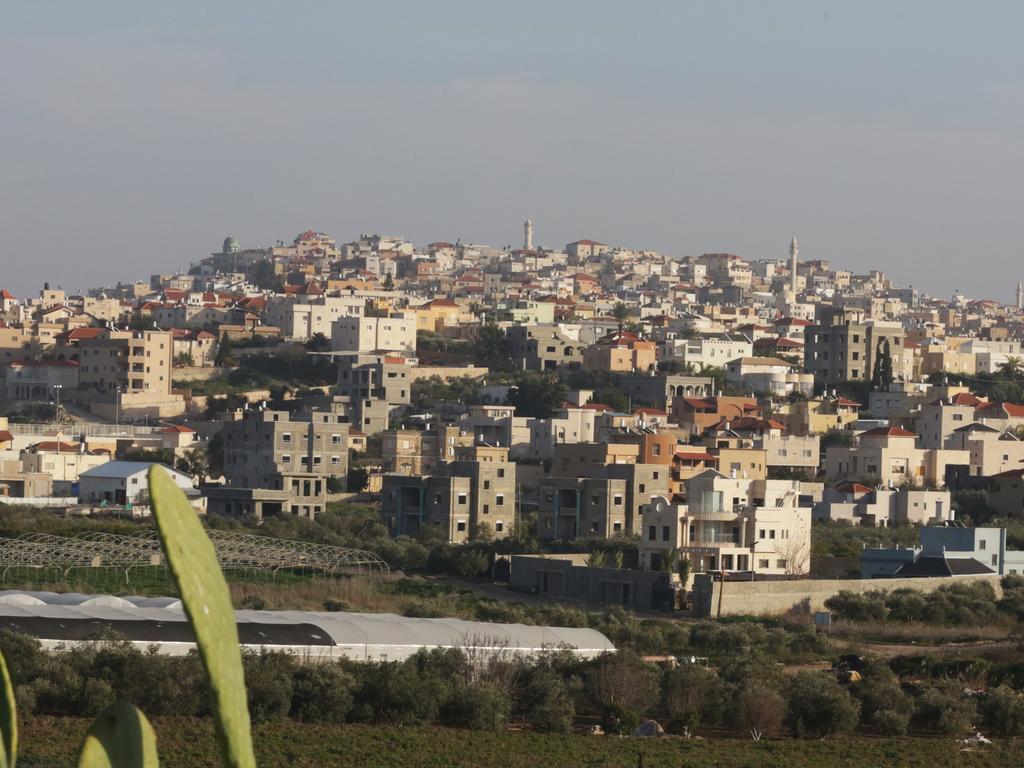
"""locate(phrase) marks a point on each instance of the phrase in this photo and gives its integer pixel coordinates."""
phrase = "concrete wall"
(763, 598)
(564, 577)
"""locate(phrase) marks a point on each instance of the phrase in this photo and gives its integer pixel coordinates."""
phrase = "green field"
(48, 741)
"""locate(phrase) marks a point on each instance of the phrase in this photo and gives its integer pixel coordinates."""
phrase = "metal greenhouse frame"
(235, 551)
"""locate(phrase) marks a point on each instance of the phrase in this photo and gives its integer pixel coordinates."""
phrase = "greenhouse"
(60, 619)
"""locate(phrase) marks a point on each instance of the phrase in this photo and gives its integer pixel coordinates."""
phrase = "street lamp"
(57, 388)
(117, 405)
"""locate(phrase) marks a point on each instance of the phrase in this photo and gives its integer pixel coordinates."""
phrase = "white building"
(367, 335)
(717, 349)
(731, 524)
(122, 482)
(302, 317)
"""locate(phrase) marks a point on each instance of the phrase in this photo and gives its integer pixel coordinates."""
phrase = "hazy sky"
(135, 136)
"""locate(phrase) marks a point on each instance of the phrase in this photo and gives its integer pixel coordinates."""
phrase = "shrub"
(943, 708)
(481, 706)
(890, 722)
(620, 687)
(268, 682)
(758, 711)
(879, 690)
(387, 692)
(691, 695)
(1003, 711)
(853, 606)
(548, 704)
(321, 693)
(818, 707)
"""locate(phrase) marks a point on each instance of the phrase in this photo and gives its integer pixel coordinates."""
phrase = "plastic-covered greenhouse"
(60, 619)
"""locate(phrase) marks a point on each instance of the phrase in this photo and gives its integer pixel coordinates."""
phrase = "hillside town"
(708, 408)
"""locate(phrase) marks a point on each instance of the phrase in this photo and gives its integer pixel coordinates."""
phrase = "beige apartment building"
(470, 497)
(128, 374)
(415, 452)
(279, 462)
(889, 456)
(844, 346)
(731, 525)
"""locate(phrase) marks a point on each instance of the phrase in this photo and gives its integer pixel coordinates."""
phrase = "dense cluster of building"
(740, 426)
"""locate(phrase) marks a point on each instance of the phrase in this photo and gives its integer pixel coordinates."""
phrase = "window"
(652, 533)
(995, 559)
(462, 498)
(499, 527)
(760, 534)
(487, 509)
(656, 450)
(501, 473)
(487, 485)
(461, 525)
(595, 499)
(664, 533)
(593, 528)
(286, 458)
(642, 487)
(617, 499)
(654, 475)
(763, 563)
(617, 527)
(771, 534)
(780, 563)
(286, 437)
(335, 460)
(499, 500)
(982, 544)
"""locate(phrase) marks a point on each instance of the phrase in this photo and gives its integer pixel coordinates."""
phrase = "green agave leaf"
(8, 720)
(207, 602)
(119, 737)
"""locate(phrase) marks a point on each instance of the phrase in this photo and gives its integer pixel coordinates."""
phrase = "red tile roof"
(888, 432)
(683, 456)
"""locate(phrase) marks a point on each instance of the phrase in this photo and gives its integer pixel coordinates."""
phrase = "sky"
(135, 137)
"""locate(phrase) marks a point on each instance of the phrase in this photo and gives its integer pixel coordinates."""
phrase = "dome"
(231, 245)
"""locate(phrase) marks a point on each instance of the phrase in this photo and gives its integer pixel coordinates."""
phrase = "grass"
(49, 741)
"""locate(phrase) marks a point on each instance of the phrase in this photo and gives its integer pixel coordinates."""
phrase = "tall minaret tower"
(528, 235)
(1020, 294)
(794, 251)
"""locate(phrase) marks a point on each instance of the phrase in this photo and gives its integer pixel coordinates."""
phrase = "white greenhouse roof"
(71, 617)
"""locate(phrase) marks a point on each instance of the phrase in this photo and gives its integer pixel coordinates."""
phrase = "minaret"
(1020, 294)
(794, 250)
(528, 235)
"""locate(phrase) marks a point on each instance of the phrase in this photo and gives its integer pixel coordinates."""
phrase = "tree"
(881, 376)
(818, 707)
(389, 282)
(758, 711)
(195, 463)
(684, 568)
(537, 395)
(318, 342)
(690, 695)
(358, 479)
(1011, 367)
(490, 342)
(620, 312)
(621, 687)
(183, 360)
(224, 357)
